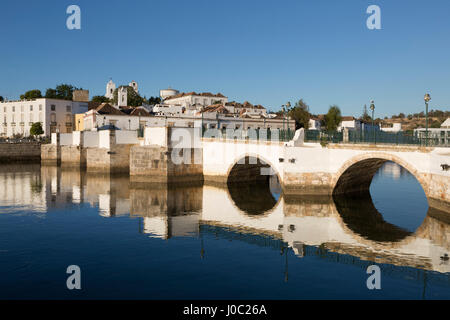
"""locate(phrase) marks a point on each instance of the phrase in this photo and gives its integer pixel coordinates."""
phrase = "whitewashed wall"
(126, 137)
(155, 136)
(65, 139)
(103, 141)
(90, 139)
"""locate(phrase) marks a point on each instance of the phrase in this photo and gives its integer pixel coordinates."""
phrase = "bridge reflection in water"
(337, 229)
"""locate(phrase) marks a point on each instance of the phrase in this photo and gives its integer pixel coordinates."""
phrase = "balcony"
(68, 124)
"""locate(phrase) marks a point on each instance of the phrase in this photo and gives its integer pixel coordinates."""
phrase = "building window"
(40, 107)
(31, 117)
(31, 108)
(53, 117)
(13, 109)
(68, 108)
(53, 107)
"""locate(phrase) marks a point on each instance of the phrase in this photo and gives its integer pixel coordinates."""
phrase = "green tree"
(51, 93)
(62, 91)
(133, 98)
(333, 118)
(31, 95)
(36, 129)
(100, 99)
(154, 100)
(2, 99)
(300, 113)
(365, 116)
(435, 124)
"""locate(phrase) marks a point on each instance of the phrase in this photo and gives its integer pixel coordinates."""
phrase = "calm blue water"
(200, 243)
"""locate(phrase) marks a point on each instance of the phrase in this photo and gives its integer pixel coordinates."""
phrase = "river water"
(213, 242)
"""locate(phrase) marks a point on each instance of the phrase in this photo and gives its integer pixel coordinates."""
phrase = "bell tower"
(110, 87)
(134, 85)
(122, 96)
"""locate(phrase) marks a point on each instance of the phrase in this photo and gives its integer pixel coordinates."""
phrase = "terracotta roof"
(215, 108)
(106, 108)
(348, 118)
(246, 104)
(139, 112)
(192, 93)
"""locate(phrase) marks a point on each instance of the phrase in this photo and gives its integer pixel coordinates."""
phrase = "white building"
(17, 117)
(193, 99)
(166, 93)
(446, 124)
(94, 119)
(440, 135)
(351, 123)
(314, 124)
(396, 127)
(171, 110)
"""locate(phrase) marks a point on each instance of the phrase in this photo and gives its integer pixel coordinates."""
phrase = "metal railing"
(377, 137)
(396, 138)
(249, 134)
(324, 136)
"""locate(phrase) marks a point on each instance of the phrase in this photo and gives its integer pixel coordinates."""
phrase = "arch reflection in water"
(361, 216)
(399, 197)
(254, 186)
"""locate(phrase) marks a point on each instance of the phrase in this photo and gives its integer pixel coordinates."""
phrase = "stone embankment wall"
(157, 164)
(20, 152)
(73, 156)
(116, 159)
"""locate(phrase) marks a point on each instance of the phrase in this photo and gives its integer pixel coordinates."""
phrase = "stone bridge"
(180, 154)
(311, 169)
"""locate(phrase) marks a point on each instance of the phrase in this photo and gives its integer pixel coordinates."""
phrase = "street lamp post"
(372, 107)
(285, 109)
(427, 99)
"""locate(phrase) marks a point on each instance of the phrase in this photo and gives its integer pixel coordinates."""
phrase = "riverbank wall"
(20, 152)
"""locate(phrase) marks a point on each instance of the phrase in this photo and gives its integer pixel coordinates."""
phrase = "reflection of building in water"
(167, 211)
(392, 169)
(37, 189)
(21, 189)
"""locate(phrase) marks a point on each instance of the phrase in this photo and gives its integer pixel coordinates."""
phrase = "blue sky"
(266, 52)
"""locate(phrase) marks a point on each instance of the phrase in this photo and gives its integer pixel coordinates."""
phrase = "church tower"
(110, 87)
(122, 96)
(134, 85)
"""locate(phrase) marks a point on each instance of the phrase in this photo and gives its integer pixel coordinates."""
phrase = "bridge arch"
(262, 162)
(252, 181)
(356, 174)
